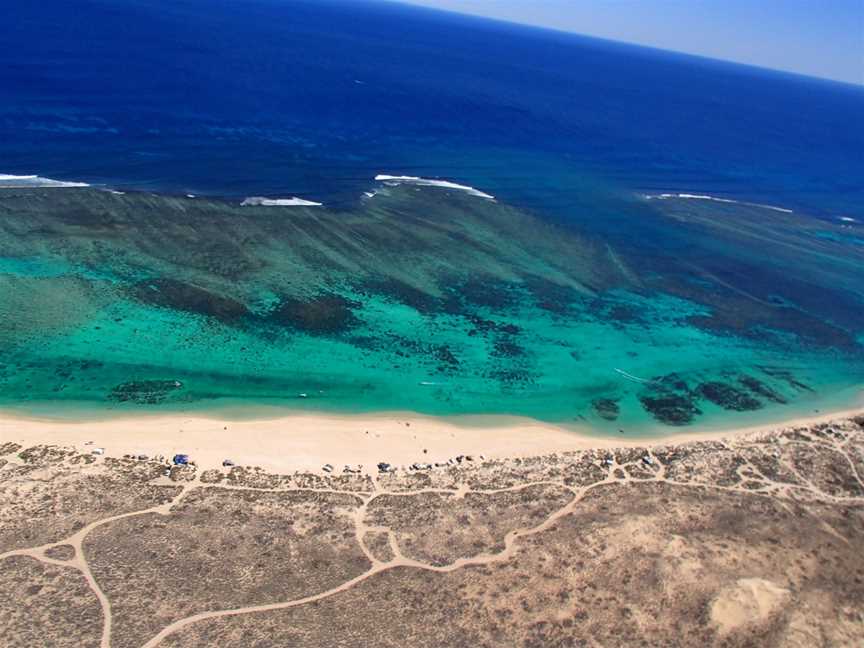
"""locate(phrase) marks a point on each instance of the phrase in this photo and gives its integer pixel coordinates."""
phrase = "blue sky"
(823, 38)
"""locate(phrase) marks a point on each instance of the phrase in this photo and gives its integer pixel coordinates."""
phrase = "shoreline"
(306, 442)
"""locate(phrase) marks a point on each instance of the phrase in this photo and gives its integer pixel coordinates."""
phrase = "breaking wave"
(689, 196)
(428, 182)
(29, 181)
(279, 202)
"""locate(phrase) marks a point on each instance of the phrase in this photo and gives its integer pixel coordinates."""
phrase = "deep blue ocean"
(315, 97)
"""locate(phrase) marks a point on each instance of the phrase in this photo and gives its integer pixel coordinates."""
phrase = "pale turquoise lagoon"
(677, 312)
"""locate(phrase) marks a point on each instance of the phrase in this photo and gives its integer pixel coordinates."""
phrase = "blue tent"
(181, 459)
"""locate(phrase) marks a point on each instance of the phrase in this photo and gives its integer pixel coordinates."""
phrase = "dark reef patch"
(93, 219)
(552, 297)
(325, 314)
(761, 389)
(734, 318)
(512, 377)
(606, 408)
(445, 356)
(672, 382)
(229, 259)
(728, 397)
(403, 293)
(670, 400)
(622, 314)
(787, 376)
(368, 342)
(144, 392)
(180, 296)
(482, 326)
(671, 409)
(496, 295)
(505, 347)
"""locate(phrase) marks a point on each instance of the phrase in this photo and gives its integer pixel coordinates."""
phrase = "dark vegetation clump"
(61, 552)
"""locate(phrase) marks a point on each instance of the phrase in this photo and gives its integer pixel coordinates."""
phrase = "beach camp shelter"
(181, 459)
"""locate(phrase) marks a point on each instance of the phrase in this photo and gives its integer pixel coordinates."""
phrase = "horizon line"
(543, 28)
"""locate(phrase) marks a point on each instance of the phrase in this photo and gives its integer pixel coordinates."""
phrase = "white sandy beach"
(305, 442)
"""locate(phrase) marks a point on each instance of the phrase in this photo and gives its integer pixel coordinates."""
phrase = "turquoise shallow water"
(428, 300)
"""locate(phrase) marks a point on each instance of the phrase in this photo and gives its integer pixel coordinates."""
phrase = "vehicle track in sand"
(616, 473)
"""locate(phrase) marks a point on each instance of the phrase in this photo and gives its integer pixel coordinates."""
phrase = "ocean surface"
(442, 214)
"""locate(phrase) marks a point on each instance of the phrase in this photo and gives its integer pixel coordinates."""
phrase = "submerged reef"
(728, 396)
(606, 408)
(180, 296)
(144, 392)
(318, 315)
(425, 299)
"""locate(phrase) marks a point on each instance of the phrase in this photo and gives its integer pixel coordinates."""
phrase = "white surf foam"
(369, 195)
(848, 219)
(428, 182)
(279, 202)
(630, 376)
(30, 181)
(689, 196)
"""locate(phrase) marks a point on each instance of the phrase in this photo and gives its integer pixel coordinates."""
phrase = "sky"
(821, 38)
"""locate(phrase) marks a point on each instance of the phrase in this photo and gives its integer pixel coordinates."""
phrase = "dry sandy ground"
(307, 442)
(752, 541)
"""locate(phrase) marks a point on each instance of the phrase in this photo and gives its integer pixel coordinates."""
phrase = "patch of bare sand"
(308, 441)
(747, 602)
